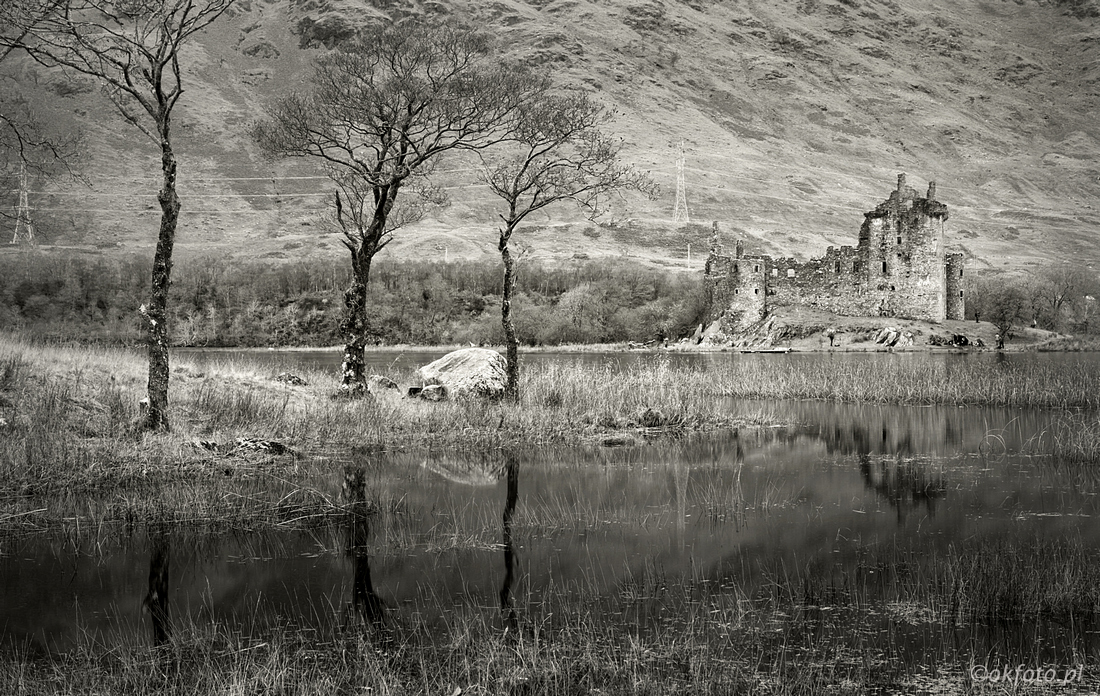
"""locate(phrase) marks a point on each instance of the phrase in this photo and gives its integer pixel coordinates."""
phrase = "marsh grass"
(970, 382)
(660, 634)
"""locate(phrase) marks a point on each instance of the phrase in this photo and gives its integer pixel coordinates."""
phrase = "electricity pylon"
(680, 212)
(24, 230)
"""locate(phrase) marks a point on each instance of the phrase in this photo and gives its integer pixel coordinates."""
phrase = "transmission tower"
(680, 213)
(24, 230)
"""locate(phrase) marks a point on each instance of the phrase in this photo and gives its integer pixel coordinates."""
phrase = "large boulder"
(467, 372)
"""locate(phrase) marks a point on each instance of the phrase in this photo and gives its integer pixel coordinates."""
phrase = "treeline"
(1055, 296)
(220, 302)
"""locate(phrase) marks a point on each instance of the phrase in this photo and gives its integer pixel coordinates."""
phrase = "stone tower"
(902, 241)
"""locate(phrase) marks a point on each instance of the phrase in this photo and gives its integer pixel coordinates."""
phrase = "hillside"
(796, 117)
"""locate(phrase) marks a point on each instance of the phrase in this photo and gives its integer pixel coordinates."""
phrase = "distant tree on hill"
(133, 49)
(557, 152)
(378, 113)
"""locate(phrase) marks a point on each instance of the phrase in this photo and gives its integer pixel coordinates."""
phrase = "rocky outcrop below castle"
(808, 329)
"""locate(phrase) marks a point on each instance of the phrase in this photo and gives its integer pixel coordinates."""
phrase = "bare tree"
(557, 152)
(132, 48)
(379, 112)
(1006, 305)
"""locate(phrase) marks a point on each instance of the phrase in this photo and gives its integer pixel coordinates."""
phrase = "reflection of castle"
(905, 485)
(898, 269)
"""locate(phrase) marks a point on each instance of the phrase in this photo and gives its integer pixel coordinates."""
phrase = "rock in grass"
(290, 378)
(377, 383)
(432, 392)
(467, 372)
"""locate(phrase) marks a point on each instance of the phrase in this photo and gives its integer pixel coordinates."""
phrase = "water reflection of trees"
(365, 602)
(156, 600)
(507, 602)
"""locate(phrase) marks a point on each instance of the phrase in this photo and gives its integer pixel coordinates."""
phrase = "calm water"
(724, 514)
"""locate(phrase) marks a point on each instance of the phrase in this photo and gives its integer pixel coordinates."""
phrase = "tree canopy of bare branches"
(378, 113)
(557, 152)
(132, 49)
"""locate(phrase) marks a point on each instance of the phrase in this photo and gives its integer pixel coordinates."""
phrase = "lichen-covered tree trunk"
(354, 326)
(511, 389)
(156, 314)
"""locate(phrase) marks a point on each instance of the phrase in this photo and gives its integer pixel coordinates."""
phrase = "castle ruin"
(899, 268)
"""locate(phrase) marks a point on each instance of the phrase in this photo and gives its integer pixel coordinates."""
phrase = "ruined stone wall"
(834, 283)
(956, 287)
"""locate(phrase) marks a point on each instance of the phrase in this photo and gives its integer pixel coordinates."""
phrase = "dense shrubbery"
(216, 302)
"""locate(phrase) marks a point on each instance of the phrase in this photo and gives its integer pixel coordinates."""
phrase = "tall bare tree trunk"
(354, 326)
(156, 418)
(511, 389)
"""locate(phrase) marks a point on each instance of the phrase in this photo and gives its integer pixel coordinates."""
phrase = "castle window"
(756, 269)
(855, 267)
(883, 266)
(736, 291)
(960, 273)
(960, 293)
(892, 287)
(756, 291)
(790, 273)
(838, 267)
(899, 240)
(734, 268)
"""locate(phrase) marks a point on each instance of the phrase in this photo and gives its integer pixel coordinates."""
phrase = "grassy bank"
(68, 448)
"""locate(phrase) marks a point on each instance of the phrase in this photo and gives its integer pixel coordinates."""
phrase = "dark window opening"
(883, 266)
(960, 273)
(892, 287)
(734, 268)
(899, 240)
(756, 291)
(855, 267)
(838, 267)
(756, 269)
(960, 293)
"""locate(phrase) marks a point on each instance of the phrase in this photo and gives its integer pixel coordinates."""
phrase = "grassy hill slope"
(796, 117)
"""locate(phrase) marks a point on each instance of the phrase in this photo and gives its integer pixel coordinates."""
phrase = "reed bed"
(966, 383)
